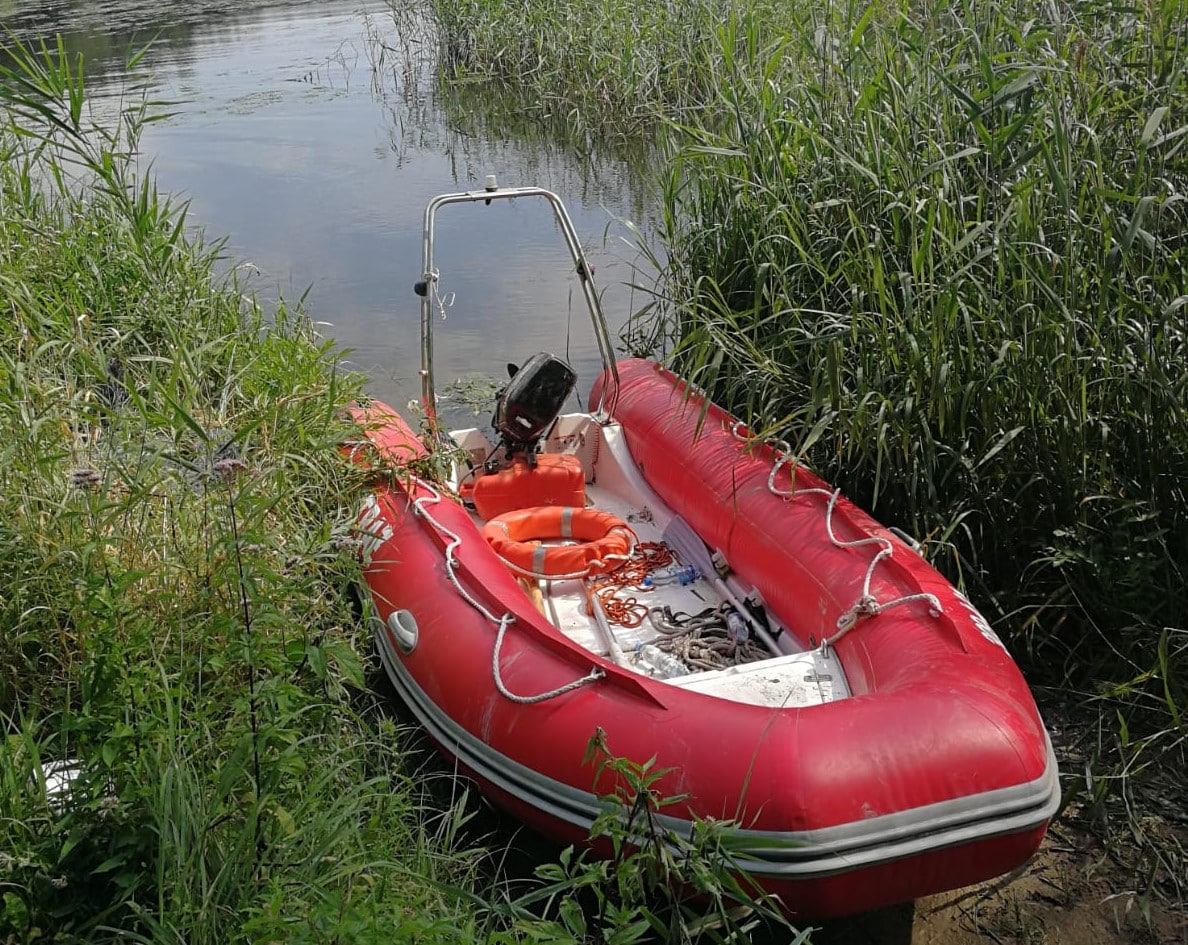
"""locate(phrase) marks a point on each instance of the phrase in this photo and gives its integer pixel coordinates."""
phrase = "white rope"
(595, 567)
(867, 605)
(504, 623)
(783, 456)
(420, 506)
(433, 278)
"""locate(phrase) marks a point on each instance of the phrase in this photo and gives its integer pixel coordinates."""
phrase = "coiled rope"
(703, 641)
(629, 611)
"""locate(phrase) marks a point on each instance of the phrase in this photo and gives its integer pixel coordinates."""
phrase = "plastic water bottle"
(663, 665)
(674, 574)
(736, 625)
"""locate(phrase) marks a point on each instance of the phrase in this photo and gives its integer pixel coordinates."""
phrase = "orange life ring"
(606, 541)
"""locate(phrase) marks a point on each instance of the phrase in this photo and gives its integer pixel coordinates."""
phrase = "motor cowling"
(532, 400)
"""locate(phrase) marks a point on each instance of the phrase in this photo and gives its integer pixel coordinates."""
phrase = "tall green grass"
(174, 549)
(176, 561)
(940, 249)
(599, 68)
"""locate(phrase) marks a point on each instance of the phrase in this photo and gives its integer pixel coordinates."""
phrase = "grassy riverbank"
(939, 249)
(191, 751)
(175, 553)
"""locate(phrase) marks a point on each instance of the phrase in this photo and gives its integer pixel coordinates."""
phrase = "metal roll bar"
(424, 288)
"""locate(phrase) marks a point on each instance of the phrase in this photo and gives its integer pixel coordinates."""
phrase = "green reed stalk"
(953, 248)
(941, 251)
(184, 640)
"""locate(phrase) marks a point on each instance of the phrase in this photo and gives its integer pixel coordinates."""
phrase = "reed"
(939, 249)
(178, 556)
(946, 261)
(175, 547)
(598, 68)
(943, 256)
(961, 298)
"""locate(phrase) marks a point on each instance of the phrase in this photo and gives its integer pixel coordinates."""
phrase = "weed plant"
(190, 753)
(175, 543)
(588, 69)
(642, 880)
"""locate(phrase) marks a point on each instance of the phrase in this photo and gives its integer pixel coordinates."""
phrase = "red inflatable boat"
(649, 570)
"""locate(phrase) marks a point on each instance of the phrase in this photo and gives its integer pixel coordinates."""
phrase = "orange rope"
(627, 611)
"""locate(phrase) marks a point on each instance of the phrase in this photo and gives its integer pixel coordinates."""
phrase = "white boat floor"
(795, 678)
(569, 597)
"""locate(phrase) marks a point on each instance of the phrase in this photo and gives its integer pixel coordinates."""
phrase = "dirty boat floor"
(795, 676)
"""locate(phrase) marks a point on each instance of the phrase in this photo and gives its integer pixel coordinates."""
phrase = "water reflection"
(105, 34)
(307, 136)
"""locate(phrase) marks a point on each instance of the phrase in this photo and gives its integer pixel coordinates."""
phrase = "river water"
(305, 135)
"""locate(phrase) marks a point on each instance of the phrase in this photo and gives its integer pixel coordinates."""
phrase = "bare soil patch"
(1115, 873)
(1075, 892)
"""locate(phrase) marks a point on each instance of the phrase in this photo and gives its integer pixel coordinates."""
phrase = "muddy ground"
(1074, 892)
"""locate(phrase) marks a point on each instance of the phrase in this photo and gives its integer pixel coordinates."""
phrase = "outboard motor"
(531, 402)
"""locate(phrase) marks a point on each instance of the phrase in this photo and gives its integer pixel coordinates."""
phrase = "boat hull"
(935, 773)
(823, 884)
